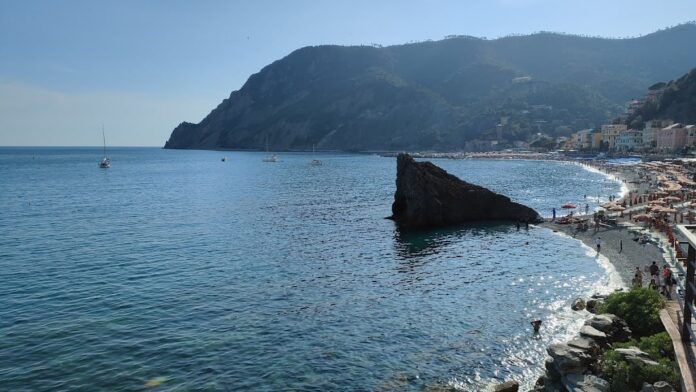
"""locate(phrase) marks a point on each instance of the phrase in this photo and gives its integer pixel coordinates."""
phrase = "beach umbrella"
(616, 208)
(608, 204)
(642, 217)
(659, 201)
(671, 198)
(568, 206)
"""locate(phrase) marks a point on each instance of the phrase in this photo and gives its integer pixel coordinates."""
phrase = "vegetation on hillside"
(439, 95)
(677, 102)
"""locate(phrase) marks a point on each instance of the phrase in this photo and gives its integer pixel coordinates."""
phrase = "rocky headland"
(427, 196)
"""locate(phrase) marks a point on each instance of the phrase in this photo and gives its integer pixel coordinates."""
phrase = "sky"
(139, 68)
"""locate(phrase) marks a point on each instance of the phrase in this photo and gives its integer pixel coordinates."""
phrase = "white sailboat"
(105, 162)
(272, 157)
(314, 161)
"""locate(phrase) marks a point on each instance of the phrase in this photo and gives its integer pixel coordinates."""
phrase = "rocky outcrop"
(507, 386)
(573, 366)
(427, 196)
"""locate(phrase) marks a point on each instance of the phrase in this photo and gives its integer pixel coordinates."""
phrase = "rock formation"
(427, 196)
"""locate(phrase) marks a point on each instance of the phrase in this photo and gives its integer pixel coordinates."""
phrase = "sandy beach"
(620, 242)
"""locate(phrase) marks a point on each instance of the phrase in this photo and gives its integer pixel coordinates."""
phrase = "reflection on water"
(416, 243)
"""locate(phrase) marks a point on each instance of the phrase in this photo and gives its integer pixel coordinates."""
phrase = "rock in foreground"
(427, 196)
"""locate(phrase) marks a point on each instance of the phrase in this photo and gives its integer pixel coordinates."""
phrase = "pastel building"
(583, 139)
(610, 132)
(690, 135)
(596, 140)
(650, 132)
(630, 140)
(673, 137)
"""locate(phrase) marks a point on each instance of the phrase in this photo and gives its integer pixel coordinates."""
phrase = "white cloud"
(35, 116)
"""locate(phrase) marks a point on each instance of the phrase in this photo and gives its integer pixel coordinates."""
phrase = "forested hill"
(439, 95)
(677, 102)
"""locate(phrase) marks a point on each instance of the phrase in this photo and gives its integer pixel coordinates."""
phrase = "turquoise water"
(244, 275)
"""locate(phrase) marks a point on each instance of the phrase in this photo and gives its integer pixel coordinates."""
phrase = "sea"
(176, 271)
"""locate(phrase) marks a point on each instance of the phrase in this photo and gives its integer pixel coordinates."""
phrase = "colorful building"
(610, 132)
(630, 140)
(673, 137)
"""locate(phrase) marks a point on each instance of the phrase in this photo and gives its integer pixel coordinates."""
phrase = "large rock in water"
(427, 196)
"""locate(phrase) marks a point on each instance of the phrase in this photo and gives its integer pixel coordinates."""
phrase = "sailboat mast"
(104, 137)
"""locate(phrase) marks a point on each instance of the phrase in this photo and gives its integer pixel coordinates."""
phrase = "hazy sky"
(142, 67)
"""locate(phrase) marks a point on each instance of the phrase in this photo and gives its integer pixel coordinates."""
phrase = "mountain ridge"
(439, 94)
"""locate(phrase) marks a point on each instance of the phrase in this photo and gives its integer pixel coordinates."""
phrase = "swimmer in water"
(536, 324)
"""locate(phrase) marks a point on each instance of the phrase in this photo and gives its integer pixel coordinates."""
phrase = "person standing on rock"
(553, 211)
(587, 209)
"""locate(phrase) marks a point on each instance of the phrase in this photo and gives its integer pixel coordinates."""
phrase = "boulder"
(586, 344)
(634, 354)
(578, 304)
(586, 383)
(662, 386)
(592, 304)
(592, 333)
(427, 196)
(568, 359)
(647, 388)
(507, 386)
(613, 326)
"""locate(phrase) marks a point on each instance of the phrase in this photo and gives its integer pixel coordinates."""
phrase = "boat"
(315, 162)
(272, 157)
(105, 162)
(224, 159)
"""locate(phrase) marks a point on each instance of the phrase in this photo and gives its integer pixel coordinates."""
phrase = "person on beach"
(654, 271)
(620, 246)
(553, 211)
(587, 209)
(598, 241)
(638, 278)
(667, 279)
(652, 285)
(518, 225)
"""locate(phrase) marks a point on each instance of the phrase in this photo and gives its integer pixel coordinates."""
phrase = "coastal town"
(658, 136)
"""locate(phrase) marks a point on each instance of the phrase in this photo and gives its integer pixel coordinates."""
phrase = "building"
(596, 140)
(673, 137)
(610, 132)
(630, 140)
(650, 132)
(690, 135)
(583, 139)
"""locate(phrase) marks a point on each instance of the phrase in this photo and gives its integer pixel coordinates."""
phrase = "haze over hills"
(441, 95)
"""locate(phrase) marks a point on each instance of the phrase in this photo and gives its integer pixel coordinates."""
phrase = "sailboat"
(272, 157)
(105, 162)
(314, 161)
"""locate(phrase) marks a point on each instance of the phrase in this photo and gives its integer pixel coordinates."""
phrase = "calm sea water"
(177, 269)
